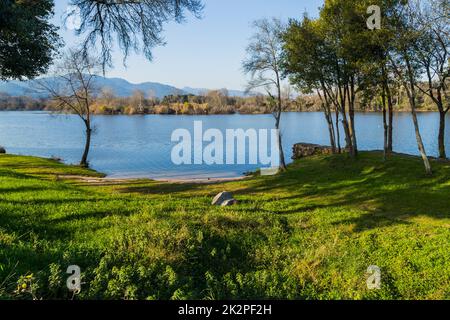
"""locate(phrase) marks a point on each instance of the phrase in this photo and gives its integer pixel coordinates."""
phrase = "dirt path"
(113, 181)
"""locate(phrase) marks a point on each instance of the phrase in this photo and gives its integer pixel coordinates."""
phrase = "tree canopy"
(28, 41)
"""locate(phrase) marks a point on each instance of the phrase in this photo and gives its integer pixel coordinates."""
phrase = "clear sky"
(205, 53)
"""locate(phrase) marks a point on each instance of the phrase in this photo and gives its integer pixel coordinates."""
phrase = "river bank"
(174, 113)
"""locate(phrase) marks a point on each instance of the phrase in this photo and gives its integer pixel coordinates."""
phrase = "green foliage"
(28, 41)
(309, 233)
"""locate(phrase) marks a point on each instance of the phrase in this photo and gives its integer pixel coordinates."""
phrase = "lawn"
(309, 233)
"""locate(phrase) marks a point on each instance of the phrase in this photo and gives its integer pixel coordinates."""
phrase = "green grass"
(310, 233)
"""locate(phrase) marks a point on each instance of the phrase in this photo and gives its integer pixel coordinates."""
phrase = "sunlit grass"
(309, 233)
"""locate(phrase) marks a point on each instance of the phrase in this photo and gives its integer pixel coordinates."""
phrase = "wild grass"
(310, 233)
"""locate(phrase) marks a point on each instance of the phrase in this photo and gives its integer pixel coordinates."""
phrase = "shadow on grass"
(387, 193)
(159, 188)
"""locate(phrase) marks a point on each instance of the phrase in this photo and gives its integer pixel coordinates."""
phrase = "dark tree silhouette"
(28, 41)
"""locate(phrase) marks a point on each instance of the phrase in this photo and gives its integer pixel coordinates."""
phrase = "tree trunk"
(351, 112)
(385, 126)
(84, 162)
(411, 92)
(277, 126)
(282, 160)
(423, 153)
(331, 133)
(390, 103)
(441, 137)
(412, 102)
(438, 100)
(329, 118)
(338, 132)
(442, 113)
(347, 130)
(280, 144)
(390, 126)
(352, 131)
(348, 138)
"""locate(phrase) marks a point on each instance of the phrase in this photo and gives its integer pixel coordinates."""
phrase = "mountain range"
(120, 87)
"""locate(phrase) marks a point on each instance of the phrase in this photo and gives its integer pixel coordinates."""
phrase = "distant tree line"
(22, 103)
(211, 102)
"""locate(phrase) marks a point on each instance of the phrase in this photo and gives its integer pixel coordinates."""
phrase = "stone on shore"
(221, 198)
(303, 150)
(228, 203)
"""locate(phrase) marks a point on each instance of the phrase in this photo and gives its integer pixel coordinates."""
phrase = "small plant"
(27, 286)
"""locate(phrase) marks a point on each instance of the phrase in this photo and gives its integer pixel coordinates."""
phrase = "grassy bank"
(310, 233)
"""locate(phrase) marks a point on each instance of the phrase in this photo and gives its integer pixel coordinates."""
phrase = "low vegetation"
(309, 233)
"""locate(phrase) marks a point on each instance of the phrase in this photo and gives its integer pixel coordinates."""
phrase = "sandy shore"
(201, 180)
(112, 180)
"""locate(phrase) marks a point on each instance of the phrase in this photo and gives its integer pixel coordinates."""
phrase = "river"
(141, 146)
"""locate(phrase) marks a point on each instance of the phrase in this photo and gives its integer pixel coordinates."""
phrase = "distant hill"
(120, 87)
(123, 88)
(202, 91)
(16, 88)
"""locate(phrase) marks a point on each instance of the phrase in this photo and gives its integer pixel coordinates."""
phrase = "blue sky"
(205, 53)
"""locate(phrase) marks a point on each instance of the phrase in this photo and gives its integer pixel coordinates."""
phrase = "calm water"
(140, 146)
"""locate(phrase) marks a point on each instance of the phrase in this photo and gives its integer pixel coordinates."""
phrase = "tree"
(335, 23)
(217, 99)
(432, 50)
(137, 102)
(264, 66)
(136, 24)
(403, 61)
(368, 52)
(107, 96)
(305, 61)
(28, 42)
(73, 89)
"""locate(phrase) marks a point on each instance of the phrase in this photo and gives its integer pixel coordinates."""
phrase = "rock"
(303, 150)
(228, 203)
(2, 150)
(221, 198)
(54, 158)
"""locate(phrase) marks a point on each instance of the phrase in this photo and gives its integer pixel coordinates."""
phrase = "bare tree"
(73, 89)
(107, 96)
(137, 102)
(136, 24)
(217, 99)
(264, 66)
